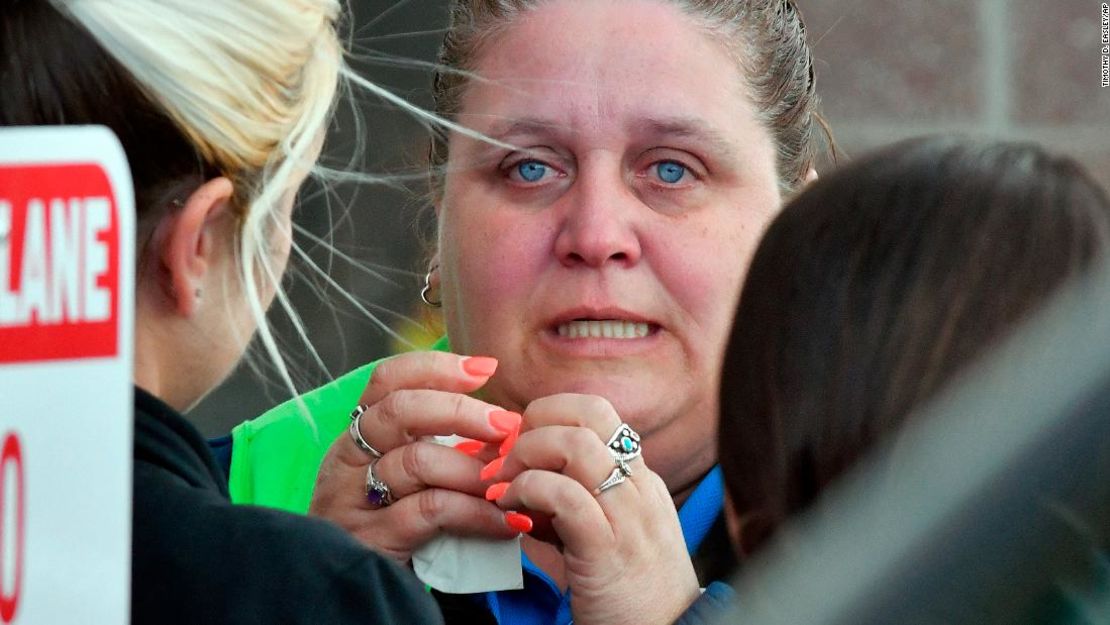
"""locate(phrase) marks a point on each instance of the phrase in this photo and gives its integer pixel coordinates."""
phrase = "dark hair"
(877, 286)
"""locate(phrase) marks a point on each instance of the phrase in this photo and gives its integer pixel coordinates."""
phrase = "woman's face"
(605, 254)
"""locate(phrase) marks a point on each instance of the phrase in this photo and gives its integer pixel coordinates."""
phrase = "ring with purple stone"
(377, 491)
(624, 443)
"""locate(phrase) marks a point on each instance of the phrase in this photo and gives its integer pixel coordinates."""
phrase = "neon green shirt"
(274, 458)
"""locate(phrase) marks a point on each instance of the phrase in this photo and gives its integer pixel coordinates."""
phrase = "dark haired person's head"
(874, 289)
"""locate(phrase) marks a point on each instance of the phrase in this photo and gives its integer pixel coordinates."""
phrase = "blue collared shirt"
(541, 602)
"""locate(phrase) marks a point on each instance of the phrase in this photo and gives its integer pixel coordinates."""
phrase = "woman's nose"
(599, 224)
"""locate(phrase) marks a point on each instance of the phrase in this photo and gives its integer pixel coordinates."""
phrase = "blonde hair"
(250, 84)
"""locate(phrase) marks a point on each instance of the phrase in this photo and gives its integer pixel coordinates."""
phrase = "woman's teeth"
(605, 328)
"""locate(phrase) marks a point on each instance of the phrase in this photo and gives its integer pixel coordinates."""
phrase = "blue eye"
(531, 171)
(670, 172)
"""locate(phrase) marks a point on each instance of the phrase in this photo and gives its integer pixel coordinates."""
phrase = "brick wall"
(1024, 69)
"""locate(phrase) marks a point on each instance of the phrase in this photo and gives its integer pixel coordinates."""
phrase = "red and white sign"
(66, 322)
(59, 255)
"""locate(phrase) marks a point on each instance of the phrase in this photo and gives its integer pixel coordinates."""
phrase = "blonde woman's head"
(221, 102)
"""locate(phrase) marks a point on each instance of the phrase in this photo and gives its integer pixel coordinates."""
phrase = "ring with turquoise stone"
(624, 443)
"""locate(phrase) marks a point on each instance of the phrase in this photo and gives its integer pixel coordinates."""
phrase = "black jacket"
(198, 559)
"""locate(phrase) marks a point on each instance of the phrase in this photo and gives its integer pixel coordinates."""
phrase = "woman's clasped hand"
(578, 468)
(428, 488)
(568, 471)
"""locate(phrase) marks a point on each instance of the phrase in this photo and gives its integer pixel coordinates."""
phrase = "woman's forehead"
(585, 64)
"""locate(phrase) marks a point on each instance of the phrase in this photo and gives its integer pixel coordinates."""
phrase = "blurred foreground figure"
(873, 291)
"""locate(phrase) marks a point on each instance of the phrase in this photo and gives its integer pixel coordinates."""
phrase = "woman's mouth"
(604, 328)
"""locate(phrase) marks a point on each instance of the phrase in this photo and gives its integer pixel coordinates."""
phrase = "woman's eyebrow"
(693, 128)
(506, 129)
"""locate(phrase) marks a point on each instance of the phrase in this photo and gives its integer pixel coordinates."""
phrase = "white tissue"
(468, 565)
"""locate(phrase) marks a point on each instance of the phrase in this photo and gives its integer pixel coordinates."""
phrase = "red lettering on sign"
(59, 263)
(11, 459)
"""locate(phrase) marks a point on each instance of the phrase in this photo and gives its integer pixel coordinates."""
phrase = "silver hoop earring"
(427, 289)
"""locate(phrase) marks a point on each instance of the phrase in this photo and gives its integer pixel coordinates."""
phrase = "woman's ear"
(811, 176)
(189, 241)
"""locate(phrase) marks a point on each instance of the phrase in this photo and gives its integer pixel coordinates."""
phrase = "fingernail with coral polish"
(493, 493)
(470, 448)
(479, 366)
(510, 440)
(505, 421)
(491, 469)
(518, 522)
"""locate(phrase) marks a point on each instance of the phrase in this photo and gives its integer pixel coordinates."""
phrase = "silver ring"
(619, 474)
(356, 434)
(624, 443)
(357, 412)
(377, 491)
